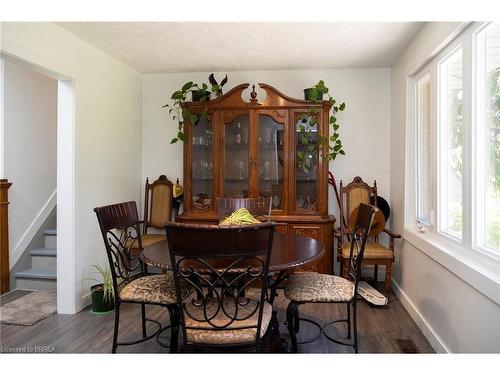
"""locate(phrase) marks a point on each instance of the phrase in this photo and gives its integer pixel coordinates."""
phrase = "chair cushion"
(153, 289)
(226, 336)
(373, 250)
(317, 287)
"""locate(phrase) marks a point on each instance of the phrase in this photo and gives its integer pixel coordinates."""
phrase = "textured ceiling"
(152, 47)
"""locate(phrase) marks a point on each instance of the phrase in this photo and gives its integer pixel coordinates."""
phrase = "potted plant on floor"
(102, 295)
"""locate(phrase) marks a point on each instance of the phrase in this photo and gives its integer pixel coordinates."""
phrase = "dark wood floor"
(379, 329)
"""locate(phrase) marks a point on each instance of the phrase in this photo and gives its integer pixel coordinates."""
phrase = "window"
(453, 147)
(423, 120)
(488, 137)
(450, 124)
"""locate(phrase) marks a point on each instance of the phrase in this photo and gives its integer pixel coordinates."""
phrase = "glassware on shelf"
(245, 136)
(279, 137)
(241, 170)
(210, 169)
(237, 136)
(267, 169)
(208, 138)
(194, 165)
(301, 202)
(308, 203)
(276, 201)
(204, 169)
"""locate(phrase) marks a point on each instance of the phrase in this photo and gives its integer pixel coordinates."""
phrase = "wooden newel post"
(4, 235)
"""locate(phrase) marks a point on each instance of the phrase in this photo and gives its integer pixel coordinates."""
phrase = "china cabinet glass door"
(202, 167)
(306, 163)
(271, 140)
(236, 156)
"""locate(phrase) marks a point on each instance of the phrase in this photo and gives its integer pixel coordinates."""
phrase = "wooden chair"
(351, 196)
(258, 207)
(119, 224)
(212, 260)
(312, 287)
(157, 210)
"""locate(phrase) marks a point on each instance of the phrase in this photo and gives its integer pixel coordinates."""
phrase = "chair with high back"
(158, 198)
(119, 224)
(212, 260)
(312, 287)
(351, 196)
(258, 207)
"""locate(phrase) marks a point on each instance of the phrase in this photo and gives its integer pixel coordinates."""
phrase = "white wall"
(454, 316)
(107, 134)
(365, 124)
(30, 128)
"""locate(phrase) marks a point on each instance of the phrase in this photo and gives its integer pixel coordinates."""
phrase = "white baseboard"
(429, 333)
(33, 229)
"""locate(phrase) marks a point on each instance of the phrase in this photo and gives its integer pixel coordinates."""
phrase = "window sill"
(474, 268)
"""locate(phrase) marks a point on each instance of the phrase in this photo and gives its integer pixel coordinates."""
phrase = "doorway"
(58, 186)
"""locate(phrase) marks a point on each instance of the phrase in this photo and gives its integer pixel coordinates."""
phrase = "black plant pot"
(307, 95)
(199, 94)
(99, 306)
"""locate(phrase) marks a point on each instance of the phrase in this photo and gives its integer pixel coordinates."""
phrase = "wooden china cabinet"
(248, 149)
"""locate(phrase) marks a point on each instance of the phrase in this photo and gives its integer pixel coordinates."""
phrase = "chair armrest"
(391, 234)
(337, 233)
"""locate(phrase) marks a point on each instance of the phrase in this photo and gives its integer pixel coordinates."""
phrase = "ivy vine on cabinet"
(249, 149)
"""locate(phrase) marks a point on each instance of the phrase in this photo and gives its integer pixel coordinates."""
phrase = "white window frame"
(424, 72)
(476, 265)
(478, 43)
(442, 135)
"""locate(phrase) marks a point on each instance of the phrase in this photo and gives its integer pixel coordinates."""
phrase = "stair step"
(44, 252)
(44, 259)
(36, 274)
(36, 284)
(50, 238)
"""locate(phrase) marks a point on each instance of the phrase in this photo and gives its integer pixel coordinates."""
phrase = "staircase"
(43, 272)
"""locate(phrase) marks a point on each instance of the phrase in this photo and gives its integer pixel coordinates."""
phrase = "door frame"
(66, 269)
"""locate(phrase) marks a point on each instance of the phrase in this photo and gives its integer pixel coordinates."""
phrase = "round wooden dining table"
(289, 252)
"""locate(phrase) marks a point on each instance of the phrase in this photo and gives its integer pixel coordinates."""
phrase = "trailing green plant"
(330, 146)
(107, 283)
(307, 144)
(182, 113)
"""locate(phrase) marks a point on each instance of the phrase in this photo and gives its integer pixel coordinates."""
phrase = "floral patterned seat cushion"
(317, 287)
(153, 289)
(226, 336)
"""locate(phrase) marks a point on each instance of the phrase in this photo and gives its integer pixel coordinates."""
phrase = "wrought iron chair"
(351, 196)
(212, 260)
(311, 287)
(119, 226)
(258, 207)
